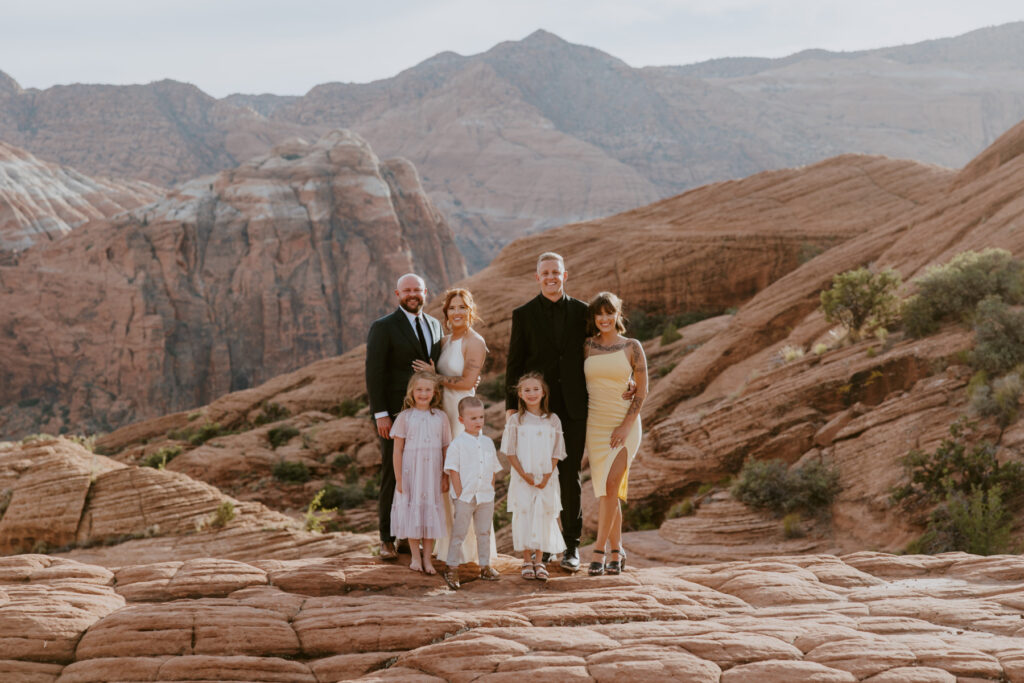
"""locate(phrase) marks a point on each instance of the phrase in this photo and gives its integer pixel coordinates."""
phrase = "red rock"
(784, 672)
(234, 248)
(41, 201)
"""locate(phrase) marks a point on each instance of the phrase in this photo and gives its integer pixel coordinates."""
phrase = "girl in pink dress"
(421, 433)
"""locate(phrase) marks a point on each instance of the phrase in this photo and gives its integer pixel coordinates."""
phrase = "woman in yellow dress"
(613, 423)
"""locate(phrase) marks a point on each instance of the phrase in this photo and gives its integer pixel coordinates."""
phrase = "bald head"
(411, 291)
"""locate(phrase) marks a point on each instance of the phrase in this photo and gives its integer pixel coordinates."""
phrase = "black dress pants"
(387, 488)
(575, 434)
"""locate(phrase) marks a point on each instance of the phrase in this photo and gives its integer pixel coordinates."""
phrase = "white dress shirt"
(426, 328)
(476, 461)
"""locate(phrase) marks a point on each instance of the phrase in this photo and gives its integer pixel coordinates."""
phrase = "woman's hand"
(544, 481)
(444, 483)
(619, 435)
(528, 478)
(398, 485)
(423, 366)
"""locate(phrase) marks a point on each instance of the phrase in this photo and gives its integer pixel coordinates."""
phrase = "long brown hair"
(543, 385)
(410, 402)
(605, 302)
(467, 298)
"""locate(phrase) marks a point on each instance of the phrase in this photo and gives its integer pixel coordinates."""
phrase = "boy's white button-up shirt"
(476, 461)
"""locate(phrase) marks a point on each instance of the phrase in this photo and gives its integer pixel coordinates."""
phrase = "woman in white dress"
(463, 353)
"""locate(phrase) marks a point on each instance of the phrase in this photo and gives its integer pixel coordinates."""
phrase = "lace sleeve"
(559, 450)
(401, 427)
(508, 438)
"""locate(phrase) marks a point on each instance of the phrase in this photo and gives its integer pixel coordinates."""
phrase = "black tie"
(423, 339)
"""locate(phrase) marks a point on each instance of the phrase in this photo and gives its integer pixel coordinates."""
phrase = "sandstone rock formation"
(863, 617)
(41, 201)
(228, 281)
(104, 512)
(539, 132)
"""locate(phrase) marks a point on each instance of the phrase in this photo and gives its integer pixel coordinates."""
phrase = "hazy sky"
(286, 47)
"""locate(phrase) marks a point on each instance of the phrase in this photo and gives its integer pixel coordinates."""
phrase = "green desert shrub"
(957, 467)
(198, 435)
(294, 472)
(1000, 400)
(348, 407)
(978, 523)
(952, 291)
(160, 458)
(271, 412)
(342, 497)
(862, 301)
(771, 485)
(279, 436)
(998, 336)
(225, 513)
(317, 513)
(973, 495)
(670, 334)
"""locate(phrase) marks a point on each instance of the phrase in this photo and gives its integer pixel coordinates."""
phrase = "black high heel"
(614, 567)
(596, 568)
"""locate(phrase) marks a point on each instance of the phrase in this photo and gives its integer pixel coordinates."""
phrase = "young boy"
(471, 464)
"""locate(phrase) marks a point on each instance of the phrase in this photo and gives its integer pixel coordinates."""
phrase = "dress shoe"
(545, 557)
(571, 559)
(489, 573)
(388, 552)
(402, 546)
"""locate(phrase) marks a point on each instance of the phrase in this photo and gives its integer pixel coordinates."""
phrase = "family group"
(574, 383)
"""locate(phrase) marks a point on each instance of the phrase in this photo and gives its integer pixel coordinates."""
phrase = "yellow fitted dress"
(607, 378)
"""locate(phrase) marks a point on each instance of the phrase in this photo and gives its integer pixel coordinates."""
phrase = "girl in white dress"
(463, 352)
(533, 443)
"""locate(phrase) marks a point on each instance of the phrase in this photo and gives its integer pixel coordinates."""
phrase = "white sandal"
(541, 572)
(528, 571)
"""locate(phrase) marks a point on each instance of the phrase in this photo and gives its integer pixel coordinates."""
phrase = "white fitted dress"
(535, 440)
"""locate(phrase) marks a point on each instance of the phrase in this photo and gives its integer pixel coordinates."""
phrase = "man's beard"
(418, 305)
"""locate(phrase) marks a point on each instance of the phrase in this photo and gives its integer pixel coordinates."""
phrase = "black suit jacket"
(532, 348)
(391, 347)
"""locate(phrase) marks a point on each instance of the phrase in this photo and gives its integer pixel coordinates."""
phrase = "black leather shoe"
(545, 557)
(571, 559)
(402, 546)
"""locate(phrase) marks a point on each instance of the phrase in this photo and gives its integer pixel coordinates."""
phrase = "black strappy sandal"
(614, 567)
(622, 560)
(596, 568)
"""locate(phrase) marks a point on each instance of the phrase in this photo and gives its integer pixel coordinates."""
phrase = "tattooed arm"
(638, 361)
(474, 355)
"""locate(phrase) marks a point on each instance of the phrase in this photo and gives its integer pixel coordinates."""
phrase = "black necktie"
(423, 339)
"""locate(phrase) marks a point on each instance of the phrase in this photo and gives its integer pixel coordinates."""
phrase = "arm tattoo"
(639, 362)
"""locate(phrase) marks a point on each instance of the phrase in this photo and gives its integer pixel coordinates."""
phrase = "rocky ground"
(860, 617)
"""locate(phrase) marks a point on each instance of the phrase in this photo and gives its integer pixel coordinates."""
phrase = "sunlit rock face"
(225, 282)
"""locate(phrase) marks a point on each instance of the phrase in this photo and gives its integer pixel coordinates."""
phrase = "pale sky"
(287, 47)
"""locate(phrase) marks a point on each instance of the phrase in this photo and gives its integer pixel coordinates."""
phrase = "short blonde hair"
(467, 298)
(550, 256)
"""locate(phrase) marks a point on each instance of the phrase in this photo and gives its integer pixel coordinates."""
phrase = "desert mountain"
(539, 132)
(227, 281)
(42, 201)
(767, 244)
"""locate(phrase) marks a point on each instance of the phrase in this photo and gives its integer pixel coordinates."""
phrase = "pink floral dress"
(418, 512)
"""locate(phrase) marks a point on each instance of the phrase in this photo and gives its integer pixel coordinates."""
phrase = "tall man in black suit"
(547, 337)
(394, 342)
